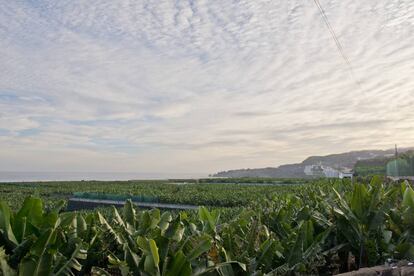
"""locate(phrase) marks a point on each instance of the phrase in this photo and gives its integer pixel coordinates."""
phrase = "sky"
(200, 86)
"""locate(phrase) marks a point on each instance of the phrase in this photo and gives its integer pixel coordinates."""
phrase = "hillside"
(339, 161)
(284, 171)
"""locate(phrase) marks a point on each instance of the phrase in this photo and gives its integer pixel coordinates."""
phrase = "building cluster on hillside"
(320, 170)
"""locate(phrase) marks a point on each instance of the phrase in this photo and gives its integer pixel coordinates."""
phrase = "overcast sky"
(200, 86)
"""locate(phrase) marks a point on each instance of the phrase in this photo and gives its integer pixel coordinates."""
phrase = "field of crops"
(321, 227)
(207, 194)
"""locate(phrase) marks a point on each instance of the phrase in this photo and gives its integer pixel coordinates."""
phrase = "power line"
(338, 43)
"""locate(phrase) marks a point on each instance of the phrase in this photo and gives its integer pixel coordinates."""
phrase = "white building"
(330, 172)
(321, 171)
(343, 175)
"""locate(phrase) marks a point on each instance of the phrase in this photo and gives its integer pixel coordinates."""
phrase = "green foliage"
(308, 229)
(375, 166)
(231, 194)
(403, 166)
(5, 269)
(41, 243)
(116, 197)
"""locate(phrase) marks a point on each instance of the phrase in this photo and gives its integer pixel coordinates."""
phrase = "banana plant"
(401, 223)
(39, 242)
(154, 244)
(360, 219)
(5, 269)
(304, 230)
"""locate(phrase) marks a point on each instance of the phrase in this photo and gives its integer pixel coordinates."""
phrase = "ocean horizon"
(27, 176)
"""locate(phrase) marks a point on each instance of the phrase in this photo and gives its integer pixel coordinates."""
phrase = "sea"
(99, 176)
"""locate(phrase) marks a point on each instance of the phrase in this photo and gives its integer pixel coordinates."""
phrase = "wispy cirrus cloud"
(199, 86)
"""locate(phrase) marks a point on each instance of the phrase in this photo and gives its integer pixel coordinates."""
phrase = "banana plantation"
(319, 228)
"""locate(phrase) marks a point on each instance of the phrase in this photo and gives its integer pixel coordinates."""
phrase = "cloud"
(199, 86)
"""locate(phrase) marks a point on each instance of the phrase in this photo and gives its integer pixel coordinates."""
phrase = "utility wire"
(338, 43)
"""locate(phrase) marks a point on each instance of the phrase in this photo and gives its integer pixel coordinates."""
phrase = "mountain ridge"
(339, 161)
